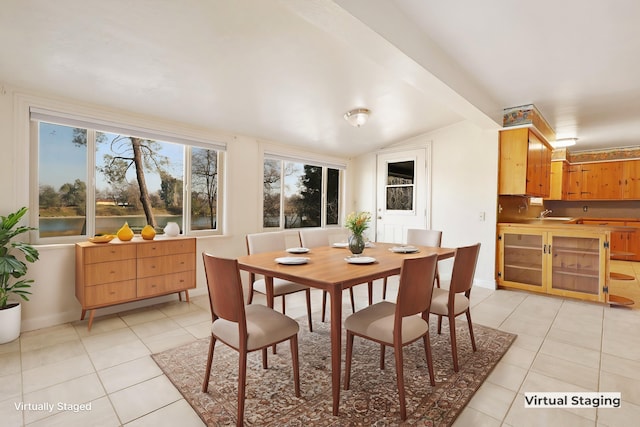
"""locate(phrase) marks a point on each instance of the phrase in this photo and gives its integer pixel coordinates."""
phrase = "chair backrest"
(225, 289)
(416, 286)
(266, 242)
(421, 237)
(464, 268)
(315, 237)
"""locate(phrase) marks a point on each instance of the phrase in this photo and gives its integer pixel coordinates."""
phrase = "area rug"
(372, 398)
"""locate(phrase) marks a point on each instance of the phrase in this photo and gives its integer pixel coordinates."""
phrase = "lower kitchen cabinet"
(565, 262)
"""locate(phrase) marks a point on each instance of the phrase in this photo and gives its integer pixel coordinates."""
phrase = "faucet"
(544, 213)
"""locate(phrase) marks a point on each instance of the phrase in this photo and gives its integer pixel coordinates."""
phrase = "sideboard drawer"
(109, 252)
(110, 293)
(106, 272)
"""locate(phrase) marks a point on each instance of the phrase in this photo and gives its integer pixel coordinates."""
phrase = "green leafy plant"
(12, 268)
(358, 222)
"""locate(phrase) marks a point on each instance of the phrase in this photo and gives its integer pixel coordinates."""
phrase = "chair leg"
(296, 364)
(382, 351)
(324, 304)
(439, 325)
(400, 379)
(308, 295)
(473, 340)
(347, 363)
(454, 345)
(264, 358)
(207, 373)
(427, 350)
(242, 381)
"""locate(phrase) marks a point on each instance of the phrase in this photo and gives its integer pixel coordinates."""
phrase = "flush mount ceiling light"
(564, 142)
(357, 117)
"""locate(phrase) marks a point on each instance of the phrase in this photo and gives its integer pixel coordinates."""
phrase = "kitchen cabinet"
(558, 180)
(625, 244)
(525, 163)
(114, 273)
(595, 181)
(568, 262)
(630, 179)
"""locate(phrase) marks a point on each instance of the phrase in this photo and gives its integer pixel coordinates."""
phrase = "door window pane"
(62, 178)
(400, 183)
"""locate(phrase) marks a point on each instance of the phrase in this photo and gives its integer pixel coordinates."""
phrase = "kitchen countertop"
(558, 223)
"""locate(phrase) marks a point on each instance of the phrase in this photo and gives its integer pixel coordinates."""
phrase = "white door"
(402, 194)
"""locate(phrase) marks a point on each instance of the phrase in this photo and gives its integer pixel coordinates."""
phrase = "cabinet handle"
(544, 249)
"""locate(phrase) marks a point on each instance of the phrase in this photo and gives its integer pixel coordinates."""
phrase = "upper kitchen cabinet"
(525, 163)
(595, 181)
(631, 179)
(559, 180)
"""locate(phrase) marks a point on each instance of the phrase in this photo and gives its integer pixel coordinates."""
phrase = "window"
(399, 186)
(92, 178)
(298, 194)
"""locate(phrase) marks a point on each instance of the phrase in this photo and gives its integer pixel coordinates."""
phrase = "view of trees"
(124, 166)
(302, 199)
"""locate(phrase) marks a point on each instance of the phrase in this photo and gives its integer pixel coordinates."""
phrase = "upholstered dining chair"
(270, 242)
(315, 237)
(399, 324)
(243, 328)
(420, 237)
(454, 301)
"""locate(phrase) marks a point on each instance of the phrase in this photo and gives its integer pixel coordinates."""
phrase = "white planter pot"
(10, 319)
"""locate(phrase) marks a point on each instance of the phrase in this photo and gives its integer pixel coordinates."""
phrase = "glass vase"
(356, 244)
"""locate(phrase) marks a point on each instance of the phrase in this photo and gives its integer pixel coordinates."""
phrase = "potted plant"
(12, 269)
(357, 223)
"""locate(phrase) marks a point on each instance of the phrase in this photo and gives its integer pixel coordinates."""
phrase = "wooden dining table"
(327, 268)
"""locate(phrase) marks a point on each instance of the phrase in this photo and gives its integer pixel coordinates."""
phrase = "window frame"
(326, 163)
(147, 128)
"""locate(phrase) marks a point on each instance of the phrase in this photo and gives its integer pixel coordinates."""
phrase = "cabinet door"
(631, 179)
(558, 180)
(578, 265)
(574, 182)
(608, 183)
(521, 259)
(634, 240)
(512, 174)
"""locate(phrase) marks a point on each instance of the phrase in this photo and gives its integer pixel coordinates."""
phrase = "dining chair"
(398, 324)
(420, 237)
(454, 301)
(243, 328)
(315, 237)
(270, 242)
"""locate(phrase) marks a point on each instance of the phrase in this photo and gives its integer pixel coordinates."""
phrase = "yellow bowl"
(102, 239)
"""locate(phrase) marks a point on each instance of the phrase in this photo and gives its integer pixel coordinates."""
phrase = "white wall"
(464, 162)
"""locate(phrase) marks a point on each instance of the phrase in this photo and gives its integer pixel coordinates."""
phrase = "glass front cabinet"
(561, 261)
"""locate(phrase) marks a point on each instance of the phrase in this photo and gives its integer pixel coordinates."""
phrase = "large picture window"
(92, 181)
(299, 194)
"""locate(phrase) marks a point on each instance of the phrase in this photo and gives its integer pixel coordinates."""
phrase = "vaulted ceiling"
(287, 70)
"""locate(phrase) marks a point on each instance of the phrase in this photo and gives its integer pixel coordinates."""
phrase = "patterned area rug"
(372, 398)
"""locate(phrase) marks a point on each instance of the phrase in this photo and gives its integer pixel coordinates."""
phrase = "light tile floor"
(562, 345)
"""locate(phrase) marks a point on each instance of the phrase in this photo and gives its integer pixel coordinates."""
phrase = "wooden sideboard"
(115, 273)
